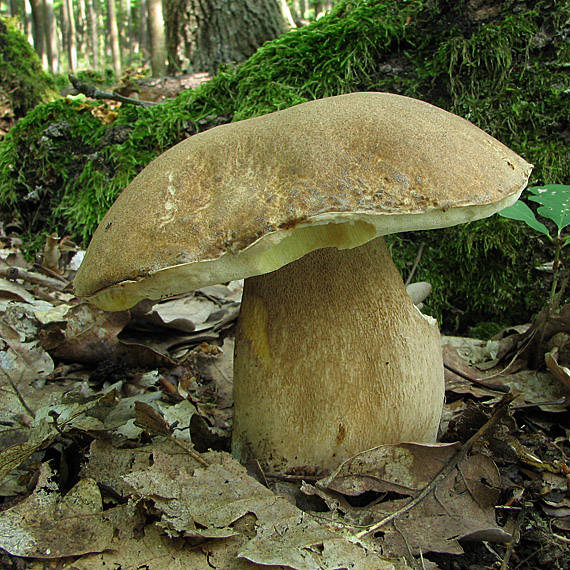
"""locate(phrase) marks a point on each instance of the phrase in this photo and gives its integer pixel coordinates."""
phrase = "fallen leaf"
(13, 290)
(462, 506)
(209, 503)
(561, 373)
(47, 525)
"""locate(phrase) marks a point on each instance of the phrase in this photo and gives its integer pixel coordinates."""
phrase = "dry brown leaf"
(153, 550)
(561, 373)
(209, 503)
(89, 335)
(531, 387)
(14, 291)
(461, 507)
(21, 361)
(47, 525)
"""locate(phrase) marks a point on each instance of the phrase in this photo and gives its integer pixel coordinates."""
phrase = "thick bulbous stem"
(332, 358)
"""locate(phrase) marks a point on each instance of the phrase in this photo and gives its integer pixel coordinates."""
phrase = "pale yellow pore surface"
(249, 197)
(333, 358)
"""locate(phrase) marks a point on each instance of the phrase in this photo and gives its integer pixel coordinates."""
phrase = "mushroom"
(331, 355)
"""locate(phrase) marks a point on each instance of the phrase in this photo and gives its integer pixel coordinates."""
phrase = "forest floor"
(115, 437)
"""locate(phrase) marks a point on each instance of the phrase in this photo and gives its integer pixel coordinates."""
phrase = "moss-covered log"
(22, 81)
(503, 65)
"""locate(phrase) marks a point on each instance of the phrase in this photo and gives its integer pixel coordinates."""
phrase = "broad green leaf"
(554, 200)
(520, 211)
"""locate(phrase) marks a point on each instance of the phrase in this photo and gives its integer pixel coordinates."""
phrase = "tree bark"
(202, 34)
(157, 38)
(51, 36)
(143, 39)
(70, 34)
(38, 30)
(93, 35)
(13, 8)
(82, 30)
(114, 37)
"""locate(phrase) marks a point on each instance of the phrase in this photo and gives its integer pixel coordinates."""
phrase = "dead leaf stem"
(499, 412)
(18, 393)
(514, 541)
(479, 381)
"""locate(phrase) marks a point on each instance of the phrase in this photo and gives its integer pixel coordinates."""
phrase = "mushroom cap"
(246, 198)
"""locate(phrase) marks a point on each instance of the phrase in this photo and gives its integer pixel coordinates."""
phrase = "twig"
(18, 393)
(50, 273)
(95, 93)
(416, 263)
(293, 478)
(192, 452)
(514, 541)
(14, 273)
(500, 410)
(479, 381)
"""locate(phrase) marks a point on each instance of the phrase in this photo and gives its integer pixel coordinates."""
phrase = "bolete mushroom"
(331, 356)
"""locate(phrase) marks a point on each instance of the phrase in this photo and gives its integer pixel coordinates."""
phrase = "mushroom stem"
(332, 358)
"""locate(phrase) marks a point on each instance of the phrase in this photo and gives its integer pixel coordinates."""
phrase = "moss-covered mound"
(22, 79)
(502, 65)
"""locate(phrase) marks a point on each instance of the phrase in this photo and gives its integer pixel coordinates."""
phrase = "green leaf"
(554, 200)
(520, 211)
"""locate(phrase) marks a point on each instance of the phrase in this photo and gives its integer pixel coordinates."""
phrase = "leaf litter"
(107, 419)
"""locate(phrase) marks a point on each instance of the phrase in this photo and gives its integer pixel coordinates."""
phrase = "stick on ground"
(498, 413)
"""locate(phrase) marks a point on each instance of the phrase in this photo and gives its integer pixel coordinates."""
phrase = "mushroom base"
(332, 358)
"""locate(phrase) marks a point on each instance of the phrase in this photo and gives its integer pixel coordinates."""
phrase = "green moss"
(506, 72)
(482, 271)
(22, 79)
(44, 158)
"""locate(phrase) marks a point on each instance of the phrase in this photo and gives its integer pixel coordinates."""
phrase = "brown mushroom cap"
(249, 197)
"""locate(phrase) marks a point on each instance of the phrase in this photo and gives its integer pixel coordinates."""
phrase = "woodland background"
(78, 454)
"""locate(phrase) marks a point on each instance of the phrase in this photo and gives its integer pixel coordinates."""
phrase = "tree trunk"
(93, 35)
(70, 34)
(143, 38)
(28, 22)
(38, 30)
(13, 8)
(286, 14)
(114, 38)
(51, 36)
(202, 34)
(157, 38)
(82, 31)
(127, 34)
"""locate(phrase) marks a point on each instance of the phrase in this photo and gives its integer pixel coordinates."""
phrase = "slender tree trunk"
(70, 34)
(82, 31)
(38, 29)
(28, 22)
(202, 34)
(286, 14)
(300, 11)
(144, 39)
(126, 32)
(51, 36)
(13, 8)
(93, 33)
(114, 37)
(157, 38)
